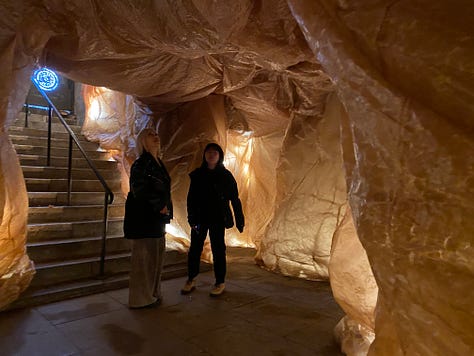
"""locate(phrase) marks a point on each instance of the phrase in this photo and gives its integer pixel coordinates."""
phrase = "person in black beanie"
(212, 187)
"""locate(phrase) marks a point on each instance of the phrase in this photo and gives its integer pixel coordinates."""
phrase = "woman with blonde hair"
(147, 211)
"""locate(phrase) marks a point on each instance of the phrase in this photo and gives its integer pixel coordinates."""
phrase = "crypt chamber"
(349, 126)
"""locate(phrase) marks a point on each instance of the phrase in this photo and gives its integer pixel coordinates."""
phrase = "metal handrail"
(109, 195)
(27, 109)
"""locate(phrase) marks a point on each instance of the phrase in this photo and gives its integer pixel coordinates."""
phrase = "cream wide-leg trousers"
(145, 276)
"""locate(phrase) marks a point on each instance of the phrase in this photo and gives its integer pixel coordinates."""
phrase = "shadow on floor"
(260, 313)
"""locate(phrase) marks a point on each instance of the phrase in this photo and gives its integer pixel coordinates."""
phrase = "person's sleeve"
(192, 202)
(236, 203)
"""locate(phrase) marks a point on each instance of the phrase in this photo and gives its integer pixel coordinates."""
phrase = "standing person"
(147, 210)
(212, 187)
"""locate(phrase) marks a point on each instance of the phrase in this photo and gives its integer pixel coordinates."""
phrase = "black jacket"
(209, 195)
(150, 192)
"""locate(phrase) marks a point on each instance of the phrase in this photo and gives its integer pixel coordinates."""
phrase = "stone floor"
(261, 313)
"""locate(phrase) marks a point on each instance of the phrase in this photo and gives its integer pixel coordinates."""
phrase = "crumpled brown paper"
(354, 288)
(410, 178)
(403, 71)
(17, 54)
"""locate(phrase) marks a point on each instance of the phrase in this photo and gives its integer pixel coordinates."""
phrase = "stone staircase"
(65, 241)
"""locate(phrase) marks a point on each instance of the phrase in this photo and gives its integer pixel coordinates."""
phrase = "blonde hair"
(141, 139)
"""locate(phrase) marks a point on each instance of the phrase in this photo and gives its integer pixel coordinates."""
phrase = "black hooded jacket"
(150, 192)
(209, 195)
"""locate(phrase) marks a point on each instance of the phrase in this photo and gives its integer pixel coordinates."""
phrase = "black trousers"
(216, 234)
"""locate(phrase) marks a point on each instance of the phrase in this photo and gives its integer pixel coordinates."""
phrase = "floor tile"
(119, 295)
(78, 308)
(28, 333)
(244, 338)
(122, 331)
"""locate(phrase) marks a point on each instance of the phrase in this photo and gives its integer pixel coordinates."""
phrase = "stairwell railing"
(109, 195)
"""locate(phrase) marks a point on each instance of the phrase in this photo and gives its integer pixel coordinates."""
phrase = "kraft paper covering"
(255, 77)
(354, 288)
(354, 338)
(311, 192)
(411, 184)
(17, 54)
(16, 270)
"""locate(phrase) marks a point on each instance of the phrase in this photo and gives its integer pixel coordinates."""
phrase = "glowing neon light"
(46, 79)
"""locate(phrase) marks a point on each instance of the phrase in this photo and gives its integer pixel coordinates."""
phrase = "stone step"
(60, 152)
(61, 172)
(174, 257)
(66, 230)
(61, 214)
(76, 248)
(51, 273)
(20, 120)
(31, 132)
(56, 125)
(77, 198)
(83, 185)
(55, 142)
(32, 160)
(87, 247)
(33, 297)
(77, 288)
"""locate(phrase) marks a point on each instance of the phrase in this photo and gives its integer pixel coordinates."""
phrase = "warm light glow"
(99, 103)
(235, 241)
(94, 110)
(238, 154)
(176, 230)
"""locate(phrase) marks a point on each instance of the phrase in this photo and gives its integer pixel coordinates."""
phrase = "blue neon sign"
(46, 79)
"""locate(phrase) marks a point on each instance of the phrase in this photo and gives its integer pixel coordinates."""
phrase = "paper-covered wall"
(310, 199)
(17, 54)
(411, 176)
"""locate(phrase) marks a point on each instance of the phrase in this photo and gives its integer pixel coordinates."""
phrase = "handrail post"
(104, 235)
(69, 172)
(50, 115)
(27, 109)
